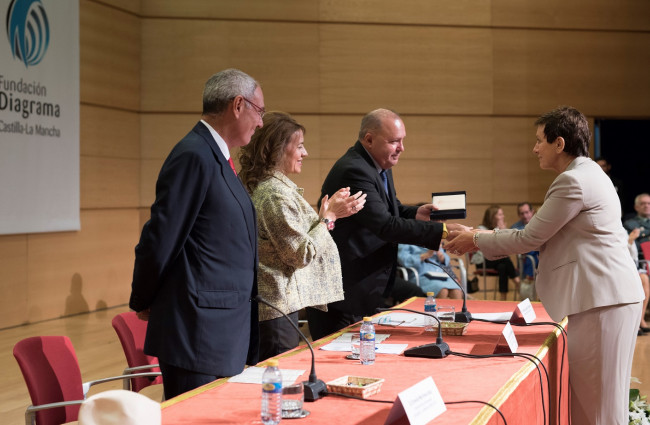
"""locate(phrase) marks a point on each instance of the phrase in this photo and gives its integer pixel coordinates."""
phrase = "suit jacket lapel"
(390, 199)
(234, 184)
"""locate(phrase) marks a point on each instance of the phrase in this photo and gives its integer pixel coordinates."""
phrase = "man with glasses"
(367, 241)
(196, 263)
(641, 221)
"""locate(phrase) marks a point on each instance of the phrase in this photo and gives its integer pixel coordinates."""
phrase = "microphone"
(314, 388)
(463, 316)
(437, 350)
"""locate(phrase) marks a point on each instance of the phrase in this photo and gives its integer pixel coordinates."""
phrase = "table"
(511, 384)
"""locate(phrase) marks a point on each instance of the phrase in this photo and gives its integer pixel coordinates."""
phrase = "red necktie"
(232, 165)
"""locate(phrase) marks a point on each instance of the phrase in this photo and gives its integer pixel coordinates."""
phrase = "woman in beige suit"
(585, 270)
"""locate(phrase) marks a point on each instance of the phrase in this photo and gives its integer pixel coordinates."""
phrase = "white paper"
(499, 317)
(422, 402)
(527, 311)
(347, 338)
(449, 202)
(402, 319)
(510, 337)
(379, 348)
(437, 275)
(253, 375)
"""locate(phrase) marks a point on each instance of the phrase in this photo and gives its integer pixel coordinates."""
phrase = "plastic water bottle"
(367, 337)
(430, 306)
(271, 394)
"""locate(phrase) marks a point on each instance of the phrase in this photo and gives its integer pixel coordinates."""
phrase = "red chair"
(51, 371)
(131, 331)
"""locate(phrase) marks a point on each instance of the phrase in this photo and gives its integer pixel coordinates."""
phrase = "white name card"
(511, 341)
(524, 313)
(420, 403)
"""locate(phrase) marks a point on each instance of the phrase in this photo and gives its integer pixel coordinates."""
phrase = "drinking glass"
(355, 344)
(446, 313)
(292, 399)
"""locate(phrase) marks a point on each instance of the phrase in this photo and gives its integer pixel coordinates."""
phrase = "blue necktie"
(384, 179)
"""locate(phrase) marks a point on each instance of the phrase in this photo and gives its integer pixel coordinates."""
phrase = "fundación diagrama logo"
(28, 31)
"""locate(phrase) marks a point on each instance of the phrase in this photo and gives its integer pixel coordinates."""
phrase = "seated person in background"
(641, 221)
(494, 218)
(429, 264)
(525, 211)
(643, 274)
(299, 263)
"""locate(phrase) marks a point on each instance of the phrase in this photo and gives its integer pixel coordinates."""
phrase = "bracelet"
(475, 239)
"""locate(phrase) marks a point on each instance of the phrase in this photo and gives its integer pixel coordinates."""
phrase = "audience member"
(367, 241)
(196, 262)
(576, 228)
(641, 221)
(494, 218)
(525, 212)
(299, 264)
(432, 267)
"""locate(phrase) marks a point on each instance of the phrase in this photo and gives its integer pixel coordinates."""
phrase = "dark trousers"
(506, 270)
(177, 380)
(323, 323)
(277, 336)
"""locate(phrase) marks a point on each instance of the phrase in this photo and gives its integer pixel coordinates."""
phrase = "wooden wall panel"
(74, 272)
(13, 280)
(178, 56)
(416, 70)
(422, 12)
(626, 15)
(302, 10)
(109, 132)
(600, 73)
(109, 56)
(133, 6)
(109, 183)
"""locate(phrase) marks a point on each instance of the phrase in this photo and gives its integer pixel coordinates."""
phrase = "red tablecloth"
(511, 384)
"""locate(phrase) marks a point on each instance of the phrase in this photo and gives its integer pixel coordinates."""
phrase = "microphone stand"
(314, 388)
(463, 316)
(437, 350)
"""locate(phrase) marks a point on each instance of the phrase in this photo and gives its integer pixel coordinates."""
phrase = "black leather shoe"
(640, 332)
(646, 330)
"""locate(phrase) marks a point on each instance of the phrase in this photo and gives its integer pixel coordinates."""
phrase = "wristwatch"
(328, 223)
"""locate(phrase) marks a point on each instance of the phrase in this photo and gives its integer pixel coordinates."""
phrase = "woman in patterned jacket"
(299, 263)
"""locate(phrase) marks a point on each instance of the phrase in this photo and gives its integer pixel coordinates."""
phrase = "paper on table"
(253, 375)
(400, 319)
(347, 338)
(379, 348)
(500, 317)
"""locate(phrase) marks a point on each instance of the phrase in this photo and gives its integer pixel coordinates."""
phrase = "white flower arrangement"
(639, 407)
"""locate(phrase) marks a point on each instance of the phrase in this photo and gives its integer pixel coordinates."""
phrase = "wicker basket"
(452, 328)
(358, 386)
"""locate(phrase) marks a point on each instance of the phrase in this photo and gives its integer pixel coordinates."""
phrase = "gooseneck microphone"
(314, 388)
(437, 350)
(463, 316)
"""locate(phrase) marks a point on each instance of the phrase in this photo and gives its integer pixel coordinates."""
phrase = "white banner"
(39, 116)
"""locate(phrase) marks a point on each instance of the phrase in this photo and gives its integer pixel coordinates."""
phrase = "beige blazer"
(584, 260)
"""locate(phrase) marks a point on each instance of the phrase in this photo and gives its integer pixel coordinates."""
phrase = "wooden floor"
(100, 355)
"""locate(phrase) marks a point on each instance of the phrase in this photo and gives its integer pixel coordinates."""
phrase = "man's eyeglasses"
(258, 109)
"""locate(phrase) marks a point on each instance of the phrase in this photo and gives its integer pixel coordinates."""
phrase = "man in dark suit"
(196, 263)
(367, 241)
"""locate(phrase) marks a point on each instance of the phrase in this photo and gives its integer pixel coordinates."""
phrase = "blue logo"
(28, 31)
